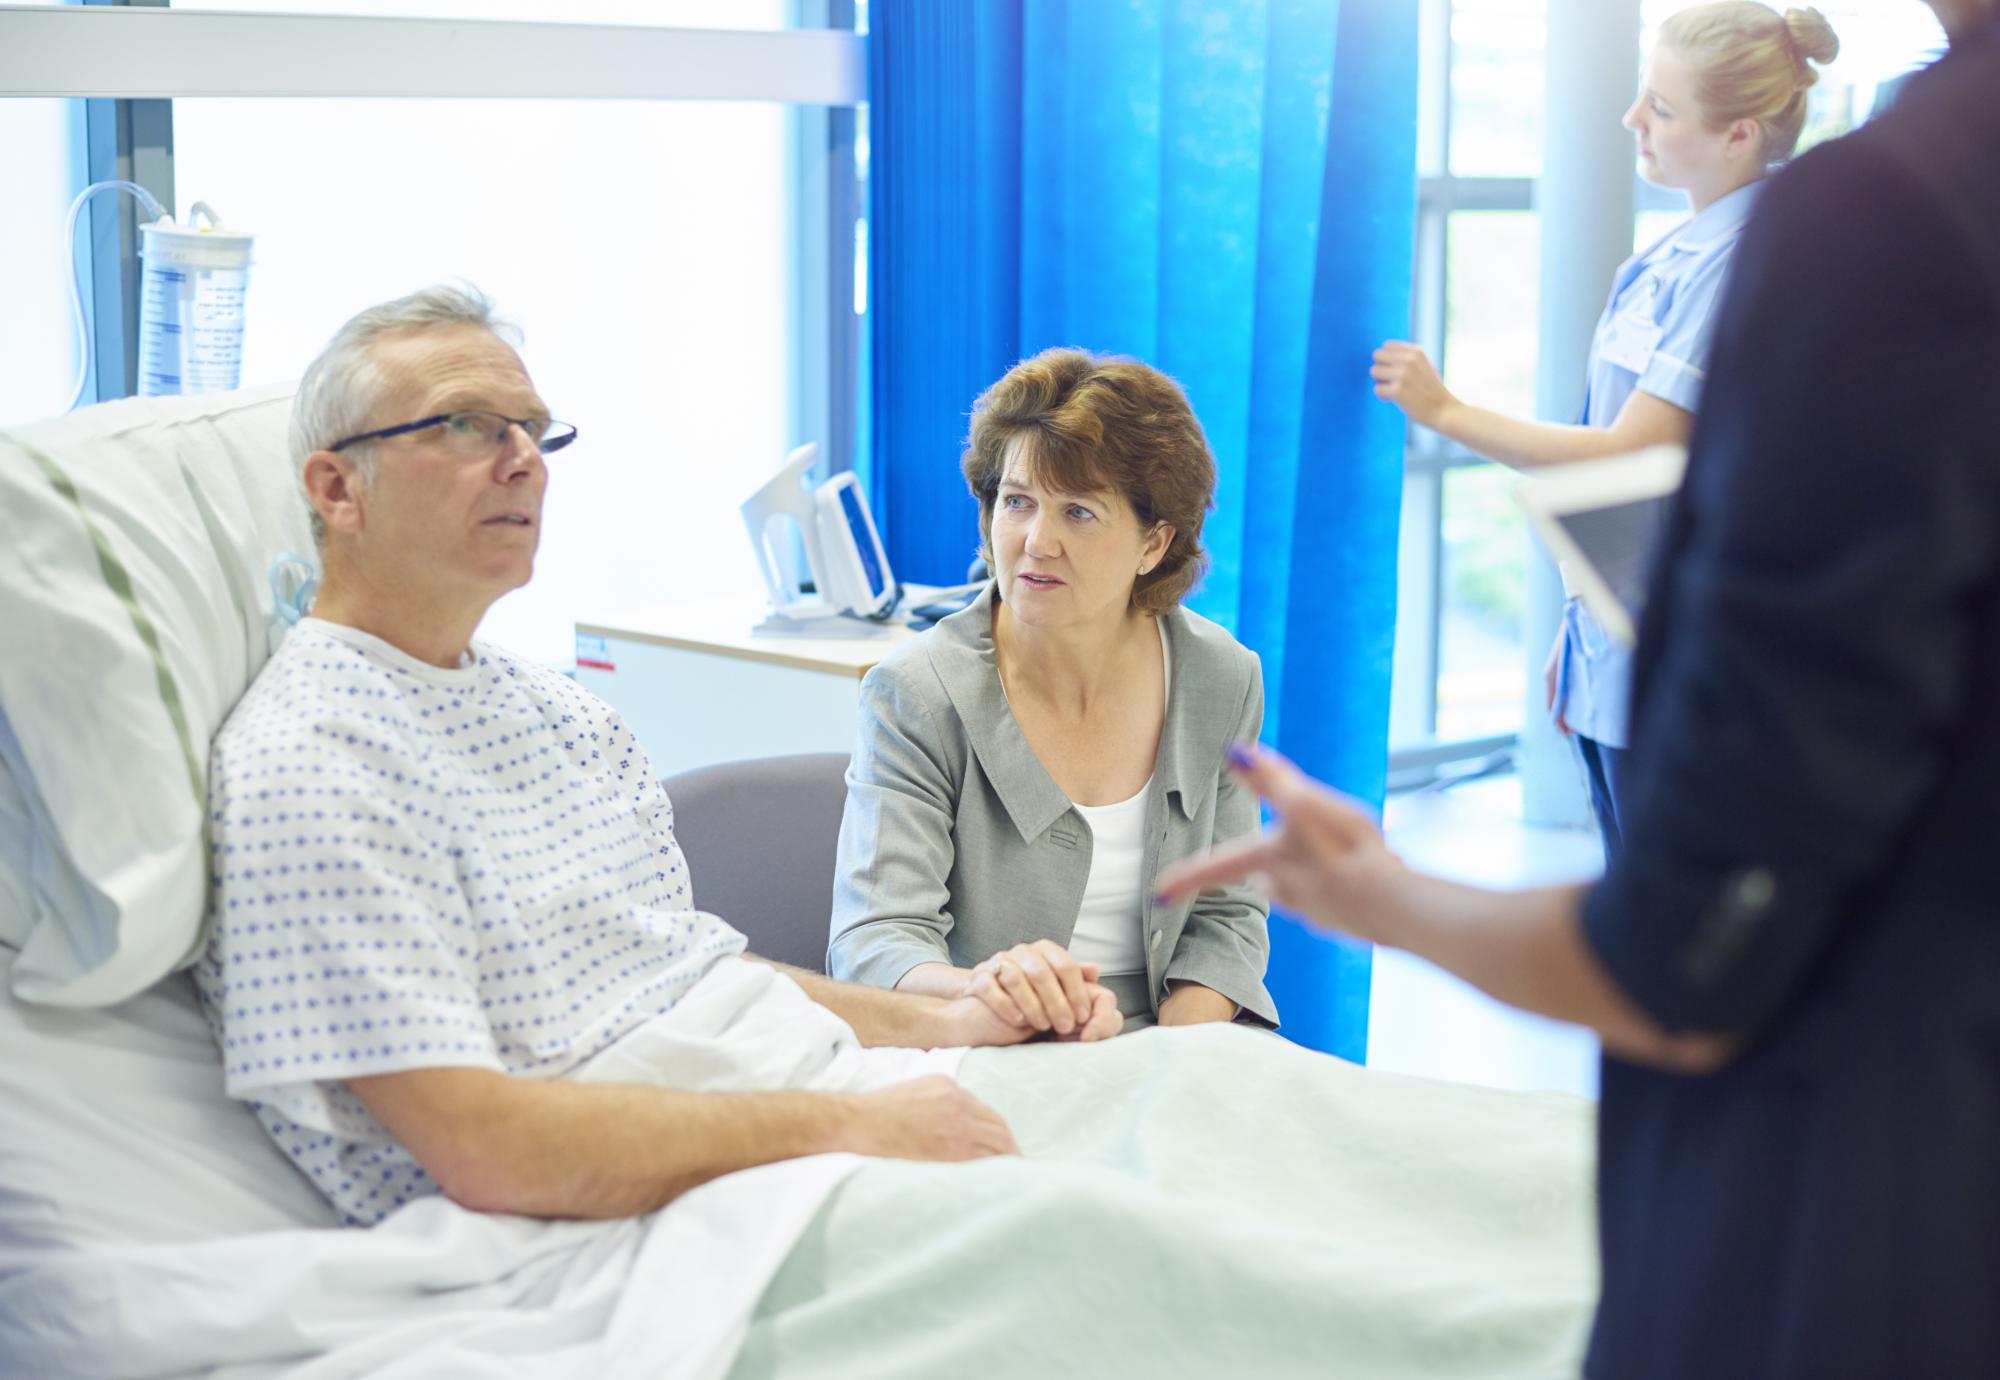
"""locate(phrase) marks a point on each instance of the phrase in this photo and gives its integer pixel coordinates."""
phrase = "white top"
(1109, 923)
(416, 867)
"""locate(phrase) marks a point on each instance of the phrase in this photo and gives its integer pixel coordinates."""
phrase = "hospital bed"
(1186, 1200)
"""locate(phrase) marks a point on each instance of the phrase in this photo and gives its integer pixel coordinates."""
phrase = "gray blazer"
(957, 844)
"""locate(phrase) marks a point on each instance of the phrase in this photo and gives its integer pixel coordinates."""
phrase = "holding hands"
(1039, 987)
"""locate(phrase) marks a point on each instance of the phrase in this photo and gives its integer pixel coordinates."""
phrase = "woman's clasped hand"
(1040, 986)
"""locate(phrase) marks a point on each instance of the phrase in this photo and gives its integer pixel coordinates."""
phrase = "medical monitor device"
(845, 569)
(1601, 519)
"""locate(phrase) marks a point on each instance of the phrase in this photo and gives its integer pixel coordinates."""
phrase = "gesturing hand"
(1405, 376)
(1037, 986)
(926, 1119)
(1322, 857)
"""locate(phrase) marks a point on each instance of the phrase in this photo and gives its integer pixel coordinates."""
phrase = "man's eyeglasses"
(477, 433)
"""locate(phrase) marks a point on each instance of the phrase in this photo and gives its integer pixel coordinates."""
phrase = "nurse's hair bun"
(1751, 63)
(1813, 38)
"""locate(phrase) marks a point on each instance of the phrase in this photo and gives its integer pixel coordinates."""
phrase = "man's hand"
(1323, 857)
(926, 1119)
(1037, 986)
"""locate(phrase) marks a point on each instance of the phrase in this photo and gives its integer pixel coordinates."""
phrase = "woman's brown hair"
(1085, 423)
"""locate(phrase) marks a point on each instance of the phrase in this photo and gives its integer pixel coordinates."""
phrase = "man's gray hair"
(337, 396)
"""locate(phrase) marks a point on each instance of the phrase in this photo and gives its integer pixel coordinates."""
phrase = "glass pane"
(41, 168)
(1481, 660)
(1413, 680)
(640, 247)
(1492, 272)
(673, 14)
(1496, 87)
(1878, 43)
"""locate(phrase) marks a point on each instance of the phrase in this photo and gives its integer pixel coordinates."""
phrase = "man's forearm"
(553, 1148)
(904, 1019)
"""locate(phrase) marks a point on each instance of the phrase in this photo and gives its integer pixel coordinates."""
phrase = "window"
(1460, 659)
(1496, 88)
(1493, 263)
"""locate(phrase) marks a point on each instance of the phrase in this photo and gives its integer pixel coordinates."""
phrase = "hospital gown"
(416, 867)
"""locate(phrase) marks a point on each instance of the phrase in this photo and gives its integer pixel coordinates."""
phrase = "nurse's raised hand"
(1405, 376)
(1323, 857)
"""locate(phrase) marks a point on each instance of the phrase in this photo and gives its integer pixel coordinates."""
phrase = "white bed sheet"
(115, 1131)
(148, 1228)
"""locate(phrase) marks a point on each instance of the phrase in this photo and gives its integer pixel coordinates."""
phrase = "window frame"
(1427, 456)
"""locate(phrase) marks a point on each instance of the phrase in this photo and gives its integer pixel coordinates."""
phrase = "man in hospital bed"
(455, 947)
(445, 878)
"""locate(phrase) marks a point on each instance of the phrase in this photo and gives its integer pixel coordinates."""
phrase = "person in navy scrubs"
(1795, 966)
(1722, 99)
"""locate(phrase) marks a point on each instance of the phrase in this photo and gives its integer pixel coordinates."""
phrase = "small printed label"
(593, 653)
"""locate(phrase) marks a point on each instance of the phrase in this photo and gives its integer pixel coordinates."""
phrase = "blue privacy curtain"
(1225, 189)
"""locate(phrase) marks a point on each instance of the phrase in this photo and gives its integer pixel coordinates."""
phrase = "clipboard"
(1601, 519)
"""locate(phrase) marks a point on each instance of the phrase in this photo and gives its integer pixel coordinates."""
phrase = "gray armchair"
(760, 838)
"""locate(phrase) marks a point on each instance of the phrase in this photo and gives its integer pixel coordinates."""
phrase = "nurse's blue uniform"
(1653, 338)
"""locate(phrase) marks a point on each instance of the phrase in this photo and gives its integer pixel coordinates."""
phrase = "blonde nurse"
(1722, 99)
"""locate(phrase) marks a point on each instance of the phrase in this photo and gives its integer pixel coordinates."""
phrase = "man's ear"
(334, 487)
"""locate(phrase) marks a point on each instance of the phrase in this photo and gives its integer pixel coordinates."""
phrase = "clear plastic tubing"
(153, 208)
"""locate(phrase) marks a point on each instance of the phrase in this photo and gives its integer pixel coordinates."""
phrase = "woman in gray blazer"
(1026, 768)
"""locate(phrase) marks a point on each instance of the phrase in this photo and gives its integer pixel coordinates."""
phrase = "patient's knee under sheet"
(1206, 1196)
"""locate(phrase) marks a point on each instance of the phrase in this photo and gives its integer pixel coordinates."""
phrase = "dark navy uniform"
(1813, 845)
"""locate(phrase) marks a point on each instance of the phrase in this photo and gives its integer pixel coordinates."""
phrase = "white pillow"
(117, 1133)
(136, 610)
